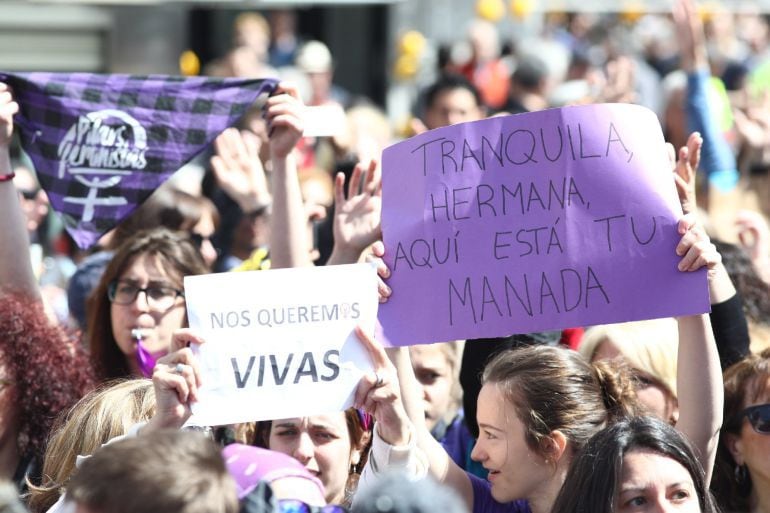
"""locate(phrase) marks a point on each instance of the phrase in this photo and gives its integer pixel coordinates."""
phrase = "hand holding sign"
(176, 379)
(379, 394)
(695, 247)
(532, 222)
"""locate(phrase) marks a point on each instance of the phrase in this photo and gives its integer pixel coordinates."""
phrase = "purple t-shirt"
(483, 502)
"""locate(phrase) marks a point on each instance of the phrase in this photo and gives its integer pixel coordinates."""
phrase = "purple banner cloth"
(101, 144)
(532, 222)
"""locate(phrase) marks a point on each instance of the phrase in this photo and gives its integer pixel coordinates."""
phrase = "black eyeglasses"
(759, 417)
(159, 297)
(296, 506)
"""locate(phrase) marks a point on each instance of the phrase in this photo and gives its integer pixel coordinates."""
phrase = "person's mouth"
(492, 475)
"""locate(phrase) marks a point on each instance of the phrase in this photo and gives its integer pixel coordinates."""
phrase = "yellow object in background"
(406, 67)
(632, 11)
(412, 43)
(189, 63)
(521, 9)
(490, 10)
(707, 11)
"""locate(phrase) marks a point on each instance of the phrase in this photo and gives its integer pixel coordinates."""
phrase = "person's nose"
(208, 252)
(305, 449)
(141, 302)
(478, 453)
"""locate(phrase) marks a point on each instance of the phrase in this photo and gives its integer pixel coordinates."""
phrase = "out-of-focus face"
(515, 471)
(322, 444)
(451, 107)
(751, 448)
(156, 324)
(652, 483)
(34, 202)
(203, 231)
(434, 373)
(252, 232)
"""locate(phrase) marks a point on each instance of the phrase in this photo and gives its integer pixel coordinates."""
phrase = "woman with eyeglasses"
(742, 477)
(139, 302)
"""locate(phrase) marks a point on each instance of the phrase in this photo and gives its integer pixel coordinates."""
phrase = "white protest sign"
(280, 343)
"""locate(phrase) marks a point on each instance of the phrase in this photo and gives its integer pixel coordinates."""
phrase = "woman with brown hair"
(742, 478)
(139, 302)
(538, 406)
(333, 447)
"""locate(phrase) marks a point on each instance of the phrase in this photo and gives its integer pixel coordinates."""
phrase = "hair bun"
(617, 387)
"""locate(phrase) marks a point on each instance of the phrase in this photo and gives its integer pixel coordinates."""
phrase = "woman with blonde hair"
(649, 348)
(100, 416)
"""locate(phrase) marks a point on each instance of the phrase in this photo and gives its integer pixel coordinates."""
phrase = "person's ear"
(554, 446)
(735, 446)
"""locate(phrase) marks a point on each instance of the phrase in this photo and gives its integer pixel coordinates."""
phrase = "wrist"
(344, 254)
(281, 155)
(250, 204)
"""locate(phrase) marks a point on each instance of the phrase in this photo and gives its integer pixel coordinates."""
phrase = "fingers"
(373, 181)
(701, 254)
(339, 190)
(184, 363)
(288, 88)
(355, 180)
(695, 247)
(252, 143)
(378, 248)
(694, 145)
(178, 383)
(373, 348)
(184, 337)
(686, 222)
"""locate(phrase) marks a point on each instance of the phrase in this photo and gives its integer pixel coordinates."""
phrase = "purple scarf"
(101, 144)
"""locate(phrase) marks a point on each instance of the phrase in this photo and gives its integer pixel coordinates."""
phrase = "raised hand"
(379, 394)
(239, 170)
(689, 31)
(685, 170)
(284, 113)
(357, 217)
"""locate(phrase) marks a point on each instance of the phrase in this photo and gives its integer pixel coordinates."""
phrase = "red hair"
(48, 369)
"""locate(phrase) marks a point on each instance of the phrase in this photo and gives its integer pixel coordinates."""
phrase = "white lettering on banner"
(288, 350)
(98, 150)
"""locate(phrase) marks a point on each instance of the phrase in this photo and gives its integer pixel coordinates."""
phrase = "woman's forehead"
(151, 266)
(330, 420)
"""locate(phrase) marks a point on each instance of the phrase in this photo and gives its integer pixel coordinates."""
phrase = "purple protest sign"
(101, 144)
(533, 222)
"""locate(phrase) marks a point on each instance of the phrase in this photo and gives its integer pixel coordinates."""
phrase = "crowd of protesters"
(97, 377)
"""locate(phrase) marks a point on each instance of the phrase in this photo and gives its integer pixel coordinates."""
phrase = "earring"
(740, 473)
